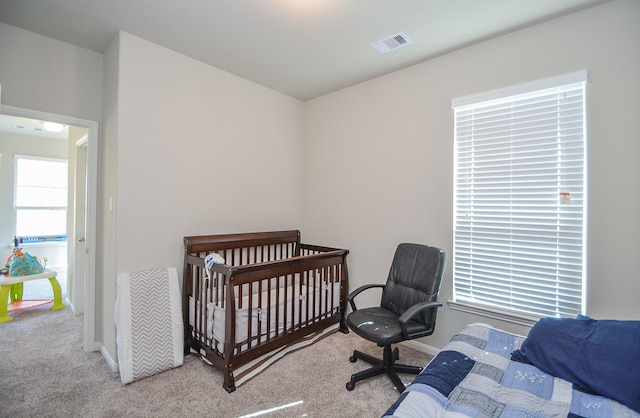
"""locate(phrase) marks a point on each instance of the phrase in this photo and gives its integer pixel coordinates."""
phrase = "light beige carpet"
(44, 372)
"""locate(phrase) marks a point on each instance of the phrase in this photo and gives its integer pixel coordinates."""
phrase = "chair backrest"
(414, 277)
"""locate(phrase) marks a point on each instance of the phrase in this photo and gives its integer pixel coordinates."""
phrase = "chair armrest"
(359, 290)
(413, 311)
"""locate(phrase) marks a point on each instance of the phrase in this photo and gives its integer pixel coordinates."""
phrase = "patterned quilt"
(474, 376)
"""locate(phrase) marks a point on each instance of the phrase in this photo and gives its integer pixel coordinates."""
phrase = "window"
(519, 227)
(40, 197)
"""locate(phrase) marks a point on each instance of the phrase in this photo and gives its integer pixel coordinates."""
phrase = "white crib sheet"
(322, 300)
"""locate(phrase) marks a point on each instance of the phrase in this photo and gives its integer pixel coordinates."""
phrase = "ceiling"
(32, 127)
(302, 48)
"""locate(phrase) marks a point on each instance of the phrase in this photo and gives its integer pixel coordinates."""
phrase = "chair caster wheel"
(353, 359)
(350, 386)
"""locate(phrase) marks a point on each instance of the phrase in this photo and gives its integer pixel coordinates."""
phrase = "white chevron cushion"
(148, 315)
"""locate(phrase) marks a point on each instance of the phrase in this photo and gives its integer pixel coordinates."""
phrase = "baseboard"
(113, 365)
(70, 305)
(423, 348)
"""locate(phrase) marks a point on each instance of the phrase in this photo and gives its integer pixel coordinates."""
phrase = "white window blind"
(519, 200)
(40, 196)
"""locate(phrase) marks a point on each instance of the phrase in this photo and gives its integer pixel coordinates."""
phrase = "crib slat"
(269, 304)
(285, 315)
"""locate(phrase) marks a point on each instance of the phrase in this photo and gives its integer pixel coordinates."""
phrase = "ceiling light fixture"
(52, 127)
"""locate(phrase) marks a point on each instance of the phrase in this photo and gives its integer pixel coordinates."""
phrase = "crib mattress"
(149, 326)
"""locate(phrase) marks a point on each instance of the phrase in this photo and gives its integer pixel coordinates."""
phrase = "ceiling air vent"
(392, 42)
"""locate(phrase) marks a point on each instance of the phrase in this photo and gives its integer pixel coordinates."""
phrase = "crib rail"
(246, 248)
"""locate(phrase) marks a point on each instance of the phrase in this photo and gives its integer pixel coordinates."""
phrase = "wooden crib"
(270, 291)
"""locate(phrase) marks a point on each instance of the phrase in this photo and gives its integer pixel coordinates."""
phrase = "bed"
(564, 368)
(249, 298)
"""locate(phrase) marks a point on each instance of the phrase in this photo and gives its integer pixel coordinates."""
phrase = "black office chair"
(407, 310)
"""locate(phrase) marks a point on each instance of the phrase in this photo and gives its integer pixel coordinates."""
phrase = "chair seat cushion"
(381, 326)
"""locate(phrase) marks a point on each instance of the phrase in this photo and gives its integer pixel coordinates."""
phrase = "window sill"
(43, 244)
(494, 313)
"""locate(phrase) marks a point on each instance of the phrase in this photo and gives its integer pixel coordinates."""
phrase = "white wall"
(41, 73)
(379, 156)
(198, 151)
(105, 263)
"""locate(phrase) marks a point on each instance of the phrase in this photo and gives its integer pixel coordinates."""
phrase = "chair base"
(386, 365)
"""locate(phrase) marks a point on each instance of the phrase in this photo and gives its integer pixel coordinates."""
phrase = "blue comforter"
(474, 376)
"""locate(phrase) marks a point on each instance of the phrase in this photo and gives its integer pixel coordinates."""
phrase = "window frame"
(38, 238)
(506, 314)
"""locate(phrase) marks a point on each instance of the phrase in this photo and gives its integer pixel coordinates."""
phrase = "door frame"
(80, 222)
(89, 341)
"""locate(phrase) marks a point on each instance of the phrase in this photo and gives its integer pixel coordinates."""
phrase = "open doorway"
(81, 142)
